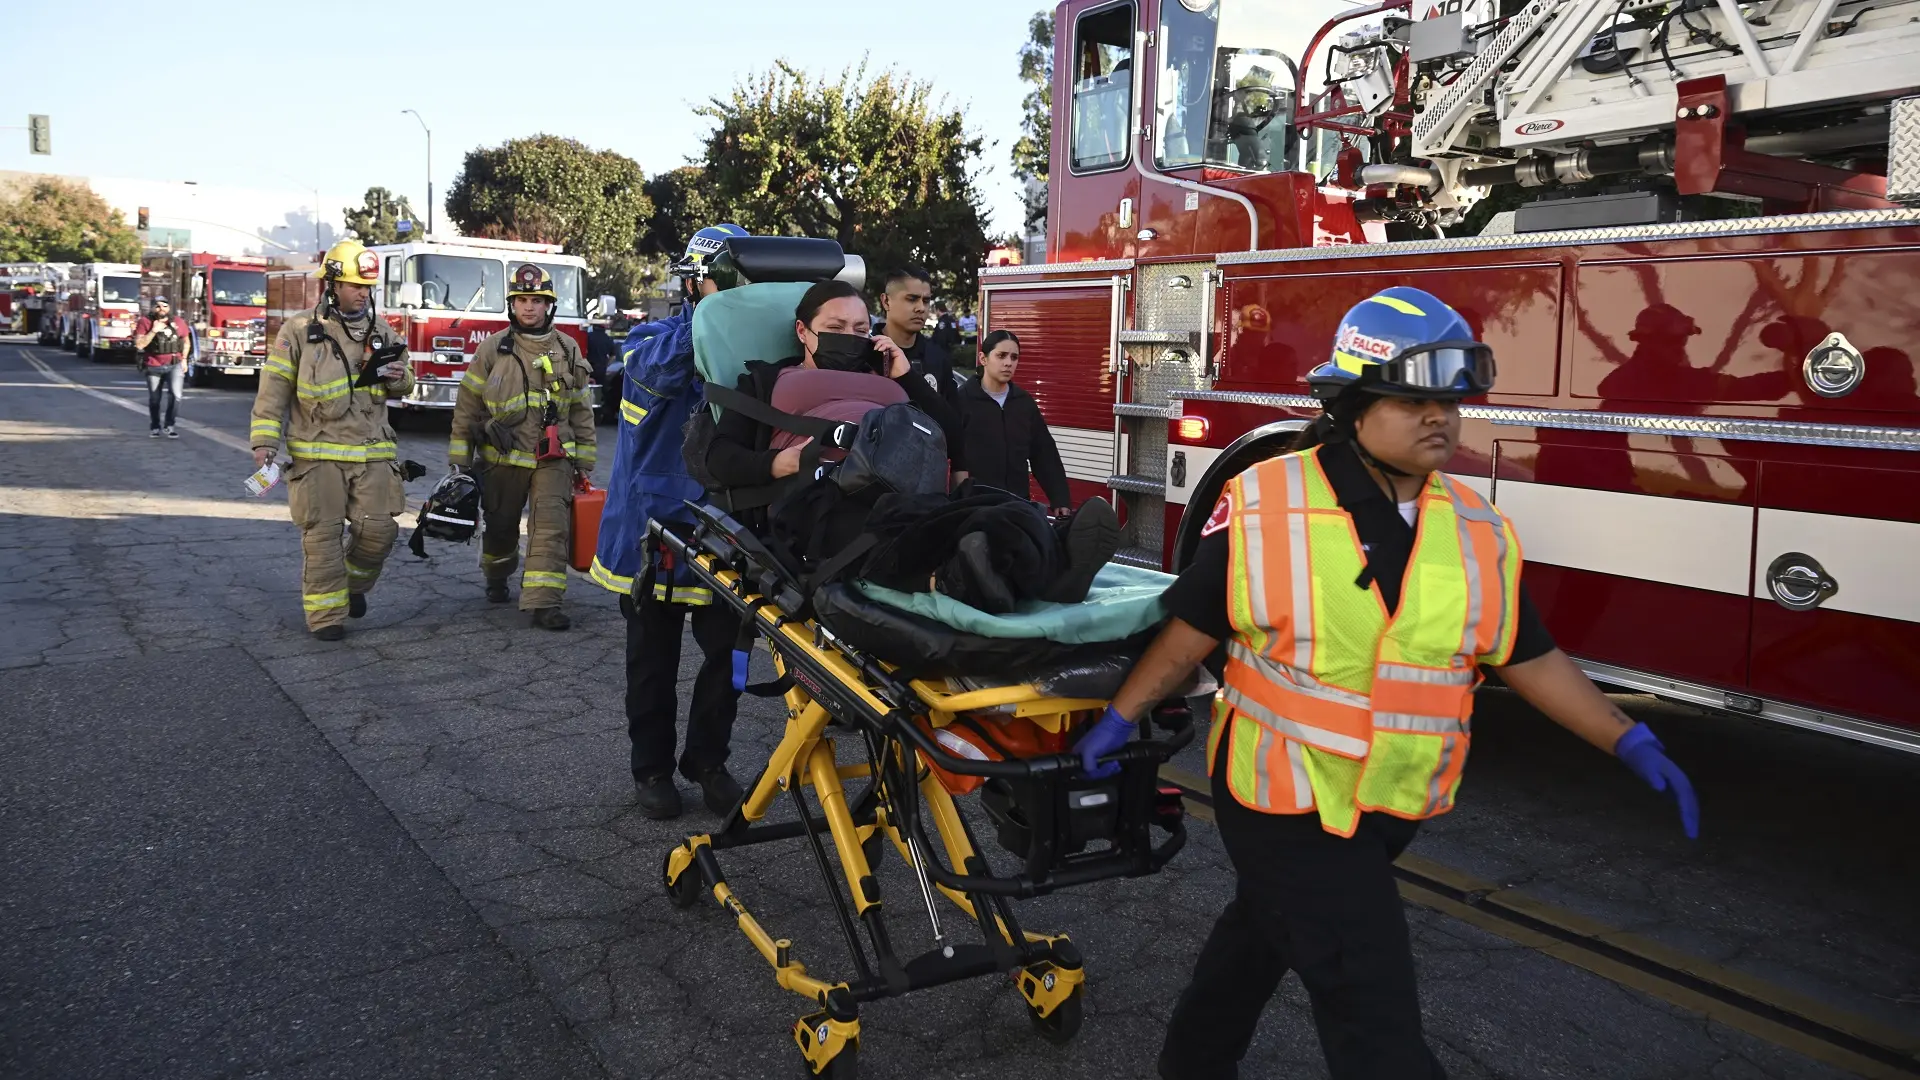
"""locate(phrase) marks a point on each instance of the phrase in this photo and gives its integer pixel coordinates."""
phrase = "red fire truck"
(27, 295)
(1705, 426)
(447, 296)
(224, 299)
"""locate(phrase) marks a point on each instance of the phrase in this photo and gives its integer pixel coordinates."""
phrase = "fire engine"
(1705, 424)
(447, 296)
(103, 304)
(27, 293)
(224, 299)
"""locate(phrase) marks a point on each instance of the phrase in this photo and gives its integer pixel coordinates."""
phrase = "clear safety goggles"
(1445, 367)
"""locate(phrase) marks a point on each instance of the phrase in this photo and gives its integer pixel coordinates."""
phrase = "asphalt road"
(234, 850)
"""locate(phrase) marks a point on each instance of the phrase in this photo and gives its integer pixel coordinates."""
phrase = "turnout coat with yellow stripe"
(1329, 702)
(514, 387)
(658, 394)
(307, 398)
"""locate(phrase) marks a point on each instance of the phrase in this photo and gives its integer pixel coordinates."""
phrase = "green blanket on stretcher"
(1123, 601)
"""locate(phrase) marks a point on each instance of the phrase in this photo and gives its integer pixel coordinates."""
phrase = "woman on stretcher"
(986, 547)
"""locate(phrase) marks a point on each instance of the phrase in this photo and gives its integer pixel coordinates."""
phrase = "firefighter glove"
(1108, 734)
(1640, 749)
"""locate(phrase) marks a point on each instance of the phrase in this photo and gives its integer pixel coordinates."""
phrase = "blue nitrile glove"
(740, 658)
(1108, 734)
(1641, 751)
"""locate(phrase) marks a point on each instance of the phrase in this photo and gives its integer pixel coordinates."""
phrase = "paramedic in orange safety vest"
(1359, 590)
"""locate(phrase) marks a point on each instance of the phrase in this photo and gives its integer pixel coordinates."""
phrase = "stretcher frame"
(836, 694)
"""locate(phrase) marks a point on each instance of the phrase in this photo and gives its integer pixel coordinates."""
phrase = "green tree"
(873, 163)
(376, 220)
(1032, 150)
(683, 204)
(626, 277)
(58, 220)
(547, 189)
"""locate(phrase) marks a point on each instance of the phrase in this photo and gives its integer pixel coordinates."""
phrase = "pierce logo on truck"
(1539, 127)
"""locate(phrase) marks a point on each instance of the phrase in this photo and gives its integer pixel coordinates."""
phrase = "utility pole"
(429, 131)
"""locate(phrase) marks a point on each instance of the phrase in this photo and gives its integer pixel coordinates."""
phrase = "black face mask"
(844, 352)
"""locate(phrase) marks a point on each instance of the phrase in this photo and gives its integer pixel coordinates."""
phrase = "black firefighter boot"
(550, 618)
(497, 591)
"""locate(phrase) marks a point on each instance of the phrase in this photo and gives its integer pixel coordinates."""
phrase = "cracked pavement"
(240, 851)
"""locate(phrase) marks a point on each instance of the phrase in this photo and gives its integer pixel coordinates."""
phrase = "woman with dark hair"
(841, 372)
(1007, 437)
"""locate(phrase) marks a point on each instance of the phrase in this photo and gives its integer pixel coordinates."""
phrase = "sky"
(307, 96)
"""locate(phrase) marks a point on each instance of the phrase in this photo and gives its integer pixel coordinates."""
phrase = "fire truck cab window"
(1102, 88)
(457, 283)
(1224, 99)
(566, 285)
(247, 287)
(120, 290)
(1185, 82)
(1252, 125)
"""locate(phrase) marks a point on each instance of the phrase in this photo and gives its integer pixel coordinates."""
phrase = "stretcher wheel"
(685, 892)
(1063, 1023)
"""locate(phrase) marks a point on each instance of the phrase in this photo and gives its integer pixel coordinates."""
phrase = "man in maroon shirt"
(163, 342)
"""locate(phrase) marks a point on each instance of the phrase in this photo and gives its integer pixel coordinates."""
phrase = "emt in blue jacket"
(659, 392)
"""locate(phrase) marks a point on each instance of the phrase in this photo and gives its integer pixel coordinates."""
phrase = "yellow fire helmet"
(351, 262)
(530, 280)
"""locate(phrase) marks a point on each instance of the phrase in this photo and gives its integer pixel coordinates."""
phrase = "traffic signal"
(39, 134)
(143, 219)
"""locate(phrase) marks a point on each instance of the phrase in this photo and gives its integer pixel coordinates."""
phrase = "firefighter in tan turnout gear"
(318, 396)
(525, 410)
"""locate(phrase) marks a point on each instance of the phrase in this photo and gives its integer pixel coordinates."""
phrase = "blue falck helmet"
(1404, 342)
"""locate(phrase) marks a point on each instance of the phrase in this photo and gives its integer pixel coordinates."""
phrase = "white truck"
(103, 304)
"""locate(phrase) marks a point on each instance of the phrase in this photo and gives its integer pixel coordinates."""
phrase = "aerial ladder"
(1799, 105)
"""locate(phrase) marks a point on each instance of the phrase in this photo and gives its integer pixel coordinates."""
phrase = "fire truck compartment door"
(1066, 364)
(1635, 557)
(1858, 651)
(1738, 331)
(1281, 327)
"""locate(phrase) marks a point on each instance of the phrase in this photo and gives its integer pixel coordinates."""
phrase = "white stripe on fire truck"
(1871, 559)
(1687, 542)
(1722, 547)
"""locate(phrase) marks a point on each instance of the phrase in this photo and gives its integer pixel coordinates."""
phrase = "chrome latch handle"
(1799, 583)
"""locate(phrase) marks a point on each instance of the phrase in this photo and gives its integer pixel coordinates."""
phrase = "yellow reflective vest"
(1328, 702)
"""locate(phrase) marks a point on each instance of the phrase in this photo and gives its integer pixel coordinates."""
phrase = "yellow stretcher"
(851, 717)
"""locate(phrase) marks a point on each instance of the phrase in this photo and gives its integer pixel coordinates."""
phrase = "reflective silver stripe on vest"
(1294, 678)
(1299, 561)
(1464, 513)
(1302, 783)
(1254, 540)
(1262, 784)
(1344, 745)
(1431, 676)
(1435, 796)
(1431, 725)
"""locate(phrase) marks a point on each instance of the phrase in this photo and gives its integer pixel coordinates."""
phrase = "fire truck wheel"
(86, 350)
(199, 378)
